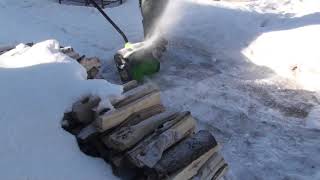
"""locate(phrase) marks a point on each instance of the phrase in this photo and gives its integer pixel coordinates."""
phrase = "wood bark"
(210, 168)
(135, 94)
(130, 85)
(193, 168)
(82, 111)
(134, 119)
(144, 114)
(183, 154)
(115, 117)
(221, 172)
(69, 51)
(141, 147)
(152, 153)
(128, 136)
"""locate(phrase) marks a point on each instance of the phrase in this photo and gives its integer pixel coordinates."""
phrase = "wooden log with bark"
(135, 94)
(126, 107)
(83, 111)
(81, 115)
(91, 64)
(153, 152)
(130, 85)
(210, 168)
(192, 169)
(128, 136)
(140, 149)
(184, 153)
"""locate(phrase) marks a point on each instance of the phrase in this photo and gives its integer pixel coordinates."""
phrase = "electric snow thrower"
(136, 60)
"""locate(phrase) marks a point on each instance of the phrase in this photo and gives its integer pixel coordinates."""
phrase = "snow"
(38, 85)
(246, 70)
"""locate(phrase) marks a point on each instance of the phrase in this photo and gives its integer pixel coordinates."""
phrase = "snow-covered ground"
(246, 70)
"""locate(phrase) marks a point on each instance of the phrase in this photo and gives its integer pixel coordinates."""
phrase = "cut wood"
(144, 114)
(115, 117)
(128, 136)
(134, 119)
(153, 152)
(86, 132)
(141, 147)
(130, 85)
(193, 168)
(69, 51)
(183, 154)
(135, 94)
(92, 66)
(221, 172)
(210, 168)
(82, 111)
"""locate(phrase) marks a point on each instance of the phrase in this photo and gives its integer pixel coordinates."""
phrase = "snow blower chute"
(136, 60)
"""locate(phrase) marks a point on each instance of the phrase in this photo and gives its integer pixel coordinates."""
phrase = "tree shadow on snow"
(260, 126)
(208, 40)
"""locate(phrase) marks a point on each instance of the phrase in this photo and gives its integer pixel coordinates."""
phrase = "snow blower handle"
(110, 21)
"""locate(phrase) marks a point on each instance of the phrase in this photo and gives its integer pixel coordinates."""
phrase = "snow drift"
(38, 84)
(292, 54)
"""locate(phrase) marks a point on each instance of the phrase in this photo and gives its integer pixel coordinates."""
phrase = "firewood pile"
(91, 64)
(143, 140)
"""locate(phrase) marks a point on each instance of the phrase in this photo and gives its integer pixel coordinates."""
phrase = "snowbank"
(290, 53)
(38, 84)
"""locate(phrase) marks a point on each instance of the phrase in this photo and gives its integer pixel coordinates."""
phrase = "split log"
(130, 121)
(135, 118)
(130, 85)
(69, 51)
(221, 172)
(82, 111)
(86, 132)
(210, 168)
(135, 94)
(140, 148)
(117, 159)
(152, 153)
(86, 139)
(128, 136)
(115, 117)
(183, 154)
(193, 168)
(92, 66)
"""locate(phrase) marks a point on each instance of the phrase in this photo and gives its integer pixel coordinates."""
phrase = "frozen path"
(259, 117)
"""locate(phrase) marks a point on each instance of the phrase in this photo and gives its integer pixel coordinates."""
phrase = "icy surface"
(229, 63)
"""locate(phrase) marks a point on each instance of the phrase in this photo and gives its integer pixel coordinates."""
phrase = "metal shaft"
(110, 20)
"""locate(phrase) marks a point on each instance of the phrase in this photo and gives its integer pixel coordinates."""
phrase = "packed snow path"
(261, 119)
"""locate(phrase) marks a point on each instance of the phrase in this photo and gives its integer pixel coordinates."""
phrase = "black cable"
(110, 20)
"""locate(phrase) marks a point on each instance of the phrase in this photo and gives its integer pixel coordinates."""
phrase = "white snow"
(230, 63)
(38, 84)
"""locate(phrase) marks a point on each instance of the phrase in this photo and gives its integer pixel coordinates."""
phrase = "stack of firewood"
(91, 64)
(143, 140)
